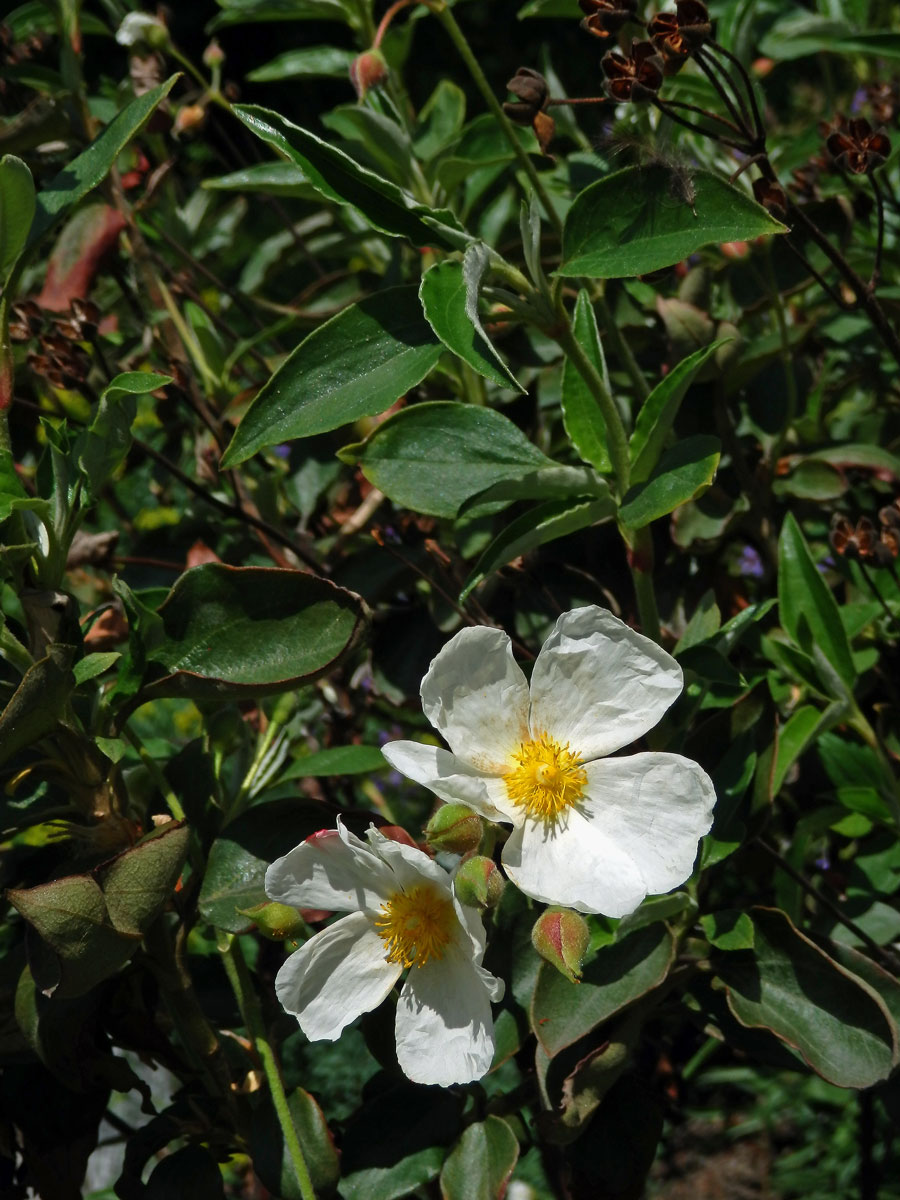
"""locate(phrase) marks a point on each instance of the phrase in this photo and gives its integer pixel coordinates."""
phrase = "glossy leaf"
(581, 415)
(272, 178)
(789, 986)
(336, 760)
(658, 412)
(563, 1012)
(102, 447)
(355, 365)
(545, 523)
(449, 295)
(681, 474)
(433, 457)
(480, 1164)
(90, 168)
(641, 219)
(239, 12)
(251, 631)
(808, 610)
(309, 62)
(338, 177)
(17, 204)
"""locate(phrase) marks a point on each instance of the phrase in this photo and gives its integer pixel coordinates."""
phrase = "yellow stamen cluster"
(416, 926)
(548, 779)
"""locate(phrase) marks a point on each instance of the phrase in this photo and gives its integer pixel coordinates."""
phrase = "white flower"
(592, 833)
(142, 27)
(403, 913)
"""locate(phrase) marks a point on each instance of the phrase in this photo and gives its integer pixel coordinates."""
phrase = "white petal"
(335, 976)
(655, 808)
(450, 778)
(409, 865)
(333, 870)
(598, 685)
(445, 1033)
(476, 697)
(573, 863)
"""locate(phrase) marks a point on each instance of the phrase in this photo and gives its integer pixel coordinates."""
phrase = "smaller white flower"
(403, 914)
(142, 27)
(589, 832)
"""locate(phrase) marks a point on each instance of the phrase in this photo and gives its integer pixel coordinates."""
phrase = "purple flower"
(750, 564)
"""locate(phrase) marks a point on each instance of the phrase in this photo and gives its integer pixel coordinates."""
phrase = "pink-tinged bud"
(479, 883)
(396, 833)
(275, 921)
(456, 828)
(213, 55)
(188, 117)
(367, 71)
(561, 938)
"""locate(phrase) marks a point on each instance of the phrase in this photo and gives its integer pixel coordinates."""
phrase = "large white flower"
(403, 913)
(593, 833)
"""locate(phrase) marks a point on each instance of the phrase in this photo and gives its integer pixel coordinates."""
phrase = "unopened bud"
(142, 27)
(479, 883)
(213, 55)
(456, 828)
(367, 71)
(188, 117)
(561, 938)
(275, 921)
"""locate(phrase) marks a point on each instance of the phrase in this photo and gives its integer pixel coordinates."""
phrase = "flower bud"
(456, 828)
(479, 883)
(213, 55)
(188, 117)
(275, 921)
(561, 937)
(367, 71)
(142, 27)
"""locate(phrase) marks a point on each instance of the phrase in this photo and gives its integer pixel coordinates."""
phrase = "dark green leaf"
(250, 631)
(657, 415)
(355, 365)
(396, 1182)
(433, 457)
(799, 34)
(788, 985)
(728, 929)
(38, 702)
(271, 1159)
(681, 474)
(191, 1171)
(273, 178)
(563, 1012)
(807, 608)
(337, 177)
(337, 760)
(102, 447)
(581, 415)
(480, 1164)
(138, 882)
(239, 12)
(16, 209)
(644, 218)
(310, 62)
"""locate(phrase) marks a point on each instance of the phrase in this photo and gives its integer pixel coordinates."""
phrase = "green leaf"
(310, 62)
(272, 1161)
(657, 415)
(102, 448)
(240, 12)
(800, 731)
(189, 1171)
(355, 365)
(728, 929)
(433, 457)
(338, 177)
(336, 760)
(545, 523)
(252, 631)
(681, 474)
(806, 606)
(234, 880)
(566, 9)
(90, 168)
(563, 1012)
(383, 140)
(787, 985)
(480, 1164)
(93, 665)
(38, 703)
(396, 1182)
(272, 178)
(635, 221)
(138, 882)
(811, 479)
(16, 209)
(800, 34)
(581, 415)
(449, 295)
(440, 119)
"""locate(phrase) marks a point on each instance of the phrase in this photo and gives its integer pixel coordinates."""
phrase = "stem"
(153, 769)
(786, 357)
(703, 112)
(640, 563)
(456, 35)
(879, 244)
(748, 87)
(737, 110)
(622, 349)
(242, 985)
(667, 111)
(385, 21)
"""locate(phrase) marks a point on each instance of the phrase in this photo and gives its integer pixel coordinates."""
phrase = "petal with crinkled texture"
(408, 865)
(654, 808)
(451, 778)
(332, 870)
(444, 1029)
(335, 976)
(597, 685)
(476, 697)
(573, 863)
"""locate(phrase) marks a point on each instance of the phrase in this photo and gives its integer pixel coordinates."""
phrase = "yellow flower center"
(416, 926)
(547, 780)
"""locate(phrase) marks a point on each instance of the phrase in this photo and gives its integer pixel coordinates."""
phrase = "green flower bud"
(456, 828)
(561, 937)
(478, 882)
(275, 921)
(367, 71)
